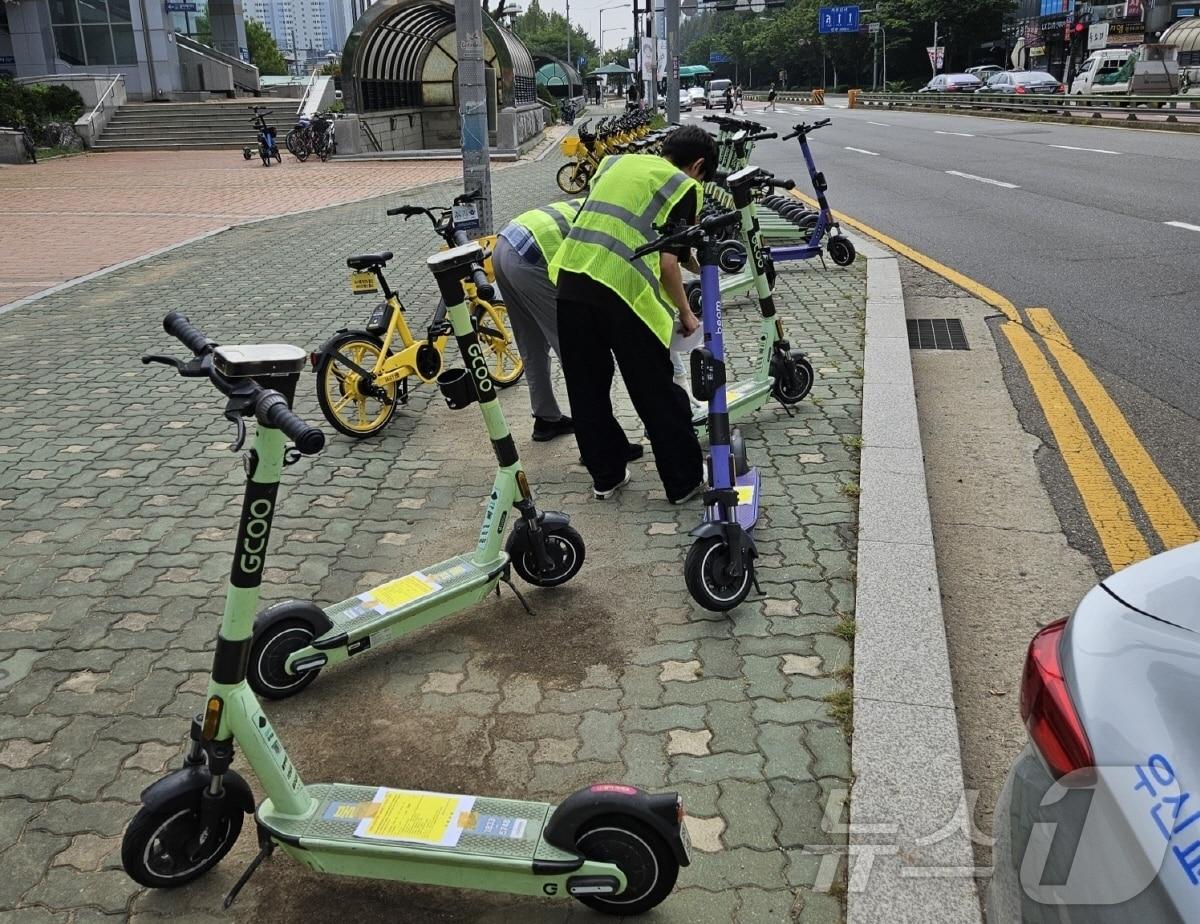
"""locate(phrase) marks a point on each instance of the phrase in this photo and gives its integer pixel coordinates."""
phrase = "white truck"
(1150, 70)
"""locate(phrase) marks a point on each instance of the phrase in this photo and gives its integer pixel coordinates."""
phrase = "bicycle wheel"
(499, 345)
(352, 408)
(573, 178)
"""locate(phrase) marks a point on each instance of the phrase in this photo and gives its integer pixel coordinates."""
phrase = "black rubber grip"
(763, 136)
(485, 289)
(272, 410)
(783, 184)
(181, 329)
(719, 221)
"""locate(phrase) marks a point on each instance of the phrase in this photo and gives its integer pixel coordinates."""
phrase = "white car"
(685, 101)
(698, 95)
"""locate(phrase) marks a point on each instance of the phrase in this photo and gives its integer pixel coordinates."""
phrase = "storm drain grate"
(936, 334)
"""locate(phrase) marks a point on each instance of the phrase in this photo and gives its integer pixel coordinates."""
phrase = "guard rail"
(1171, 109)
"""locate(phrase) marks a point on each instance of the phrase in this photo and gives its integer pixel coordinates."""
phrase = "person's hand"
(688, 323)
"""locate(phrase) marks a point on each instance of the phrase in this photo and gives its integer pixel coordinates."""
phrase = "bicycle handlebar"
(270, 408)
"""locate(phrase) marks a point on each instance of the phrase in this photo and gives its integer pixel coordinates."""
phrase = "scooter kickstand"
(513, 588)
(266, 848)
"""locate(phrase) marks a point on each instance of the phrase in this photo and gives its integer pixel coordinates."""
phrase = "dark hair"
(690, 143)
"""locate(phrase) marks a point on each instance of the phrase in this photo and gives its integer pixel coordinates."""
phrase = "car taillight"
(1062, 88)
(1020, 89)
(1046, 705)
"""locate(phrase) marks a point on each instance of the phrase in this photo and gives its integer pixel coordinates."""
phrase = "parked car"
(685, 101)
(1099, 819)
(1097, 65)
(985, 71)
(952, 83)
(716, 93)
(1023, 82)
(699, 96)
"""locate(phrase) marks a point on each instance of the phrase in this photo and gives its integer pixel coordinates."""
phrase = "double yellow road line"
(1052, 367)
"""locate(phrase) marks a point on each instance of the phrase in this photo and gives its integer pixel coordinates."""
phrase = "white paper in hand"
(685, 343)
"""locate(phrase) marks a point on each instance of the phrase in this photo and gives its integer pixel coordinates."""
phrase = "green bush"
(34, 106)
(60, 103)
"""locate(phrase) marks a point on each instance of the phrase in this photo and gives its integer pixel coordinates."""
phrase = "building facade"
(301, 28)
(1046, 37)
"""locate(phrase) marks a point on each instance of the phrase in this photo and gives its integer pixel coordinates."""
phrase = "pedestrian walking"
(770, 99)
(728, 97)
(613, 306)
(739, 103)
(521, 257)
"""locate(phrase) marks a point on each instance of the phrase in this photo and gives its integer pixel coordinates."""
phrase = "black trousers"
(591, 334)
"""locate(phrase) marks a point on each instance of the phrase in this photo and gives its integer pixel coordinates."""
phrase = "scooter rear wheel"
(794, 381)
(706, 574)
(156, 850)
(566, 550)
(649, 866)
(269, 651)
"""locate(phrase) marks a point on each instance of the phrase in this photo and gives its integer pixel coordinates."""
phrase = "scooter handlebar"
(271, 409)
(762, 136)
(781, 184)
(406, 210)
(689, 236)
(179, 327)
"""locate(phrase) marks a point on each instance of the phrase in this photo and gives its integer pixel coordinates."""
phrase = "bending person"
(611, 305)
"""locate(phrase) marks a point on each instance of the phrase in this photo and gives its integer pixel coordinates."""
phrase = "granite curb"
(910, 849)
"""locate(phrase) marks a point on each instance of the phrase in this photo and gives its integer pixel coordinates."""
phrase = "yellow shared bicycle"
(363, 375)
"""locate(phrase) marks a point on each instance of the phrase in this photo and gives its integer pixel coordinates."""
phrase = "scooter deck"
(747, 490)
(477, 825)
(419, 592)
(741, 398)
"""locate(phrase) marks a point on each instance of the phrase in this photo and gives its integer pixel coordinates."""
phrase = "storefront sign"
(1097, 36)
(1126, 33)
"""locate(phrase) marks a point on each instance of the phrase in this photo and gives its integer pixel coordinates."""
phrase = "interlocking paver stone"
(119, 500)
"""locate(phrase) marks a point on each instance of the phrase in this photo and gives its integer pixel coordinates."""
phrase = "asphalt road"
(1071, 218)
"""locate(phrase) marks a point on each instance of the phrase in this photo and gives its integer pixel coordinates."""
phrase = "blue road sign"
(715, 57)
(837, 19)
(176, 6)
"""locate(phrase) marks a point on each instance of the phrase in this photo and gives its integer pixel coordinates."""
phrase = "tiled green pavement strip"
(117, 500)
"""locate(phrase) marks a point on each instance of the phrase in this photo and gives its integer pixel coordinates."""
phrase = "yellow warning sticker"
(402, 590)
(745, 493)
(424, 817)
(361, 283)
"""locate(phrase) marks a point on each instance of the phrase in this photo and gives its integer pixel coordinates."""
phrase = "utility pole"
(934, 59)
(672, 60)
(472, 107)
(652, 96)
(570, 63)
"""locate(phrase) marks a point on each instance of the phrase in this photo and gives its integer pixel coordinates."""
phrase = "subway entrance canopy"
(402, 54)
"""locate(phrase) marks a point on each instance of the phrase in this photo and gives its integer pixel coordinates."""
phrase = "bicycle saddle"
(368, 260)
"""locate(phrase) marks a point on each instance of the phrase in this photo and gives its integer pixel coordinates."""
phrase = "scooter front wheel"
(160, 849)
(841, 251)
(706, 573)
(565, 547)
(649, 866)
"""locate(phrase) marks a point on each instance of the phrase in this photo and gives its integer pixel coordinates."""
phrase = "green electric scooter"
(614, 847)
(780, 372)
(294, 639)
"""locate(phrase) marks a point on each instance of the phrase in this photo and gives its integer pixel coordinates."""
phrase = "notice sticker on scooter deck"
(493, 825)
(745, 493)
(401, 591)
(361, 283)
(432, 818)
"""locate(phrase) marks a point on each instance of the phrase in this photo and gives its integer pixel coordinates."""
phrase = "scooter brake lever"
(234, 415)
(162, 360)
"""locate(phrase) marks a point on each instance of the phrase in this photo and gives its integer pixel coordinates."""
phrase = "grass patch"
(853, 443)
(841, 708)
(58, 151)
(850, 489)
(845, 629)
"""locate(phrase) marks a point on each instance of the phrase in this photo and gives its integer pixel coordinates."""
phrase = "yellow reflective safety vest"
(549, 225)
(631, 193)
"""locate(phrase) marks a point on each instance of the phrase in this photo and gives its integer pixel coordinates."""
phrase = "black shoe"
(690, 494)
(545, 430)
(632, 453)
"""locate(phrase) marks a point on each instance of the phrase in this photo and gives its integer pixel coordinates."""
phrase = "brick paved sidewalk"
(119, 497)
(71, 216)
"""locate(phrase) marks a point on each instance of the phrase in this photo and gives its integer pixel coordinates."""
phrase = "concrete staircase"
(187, 126)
